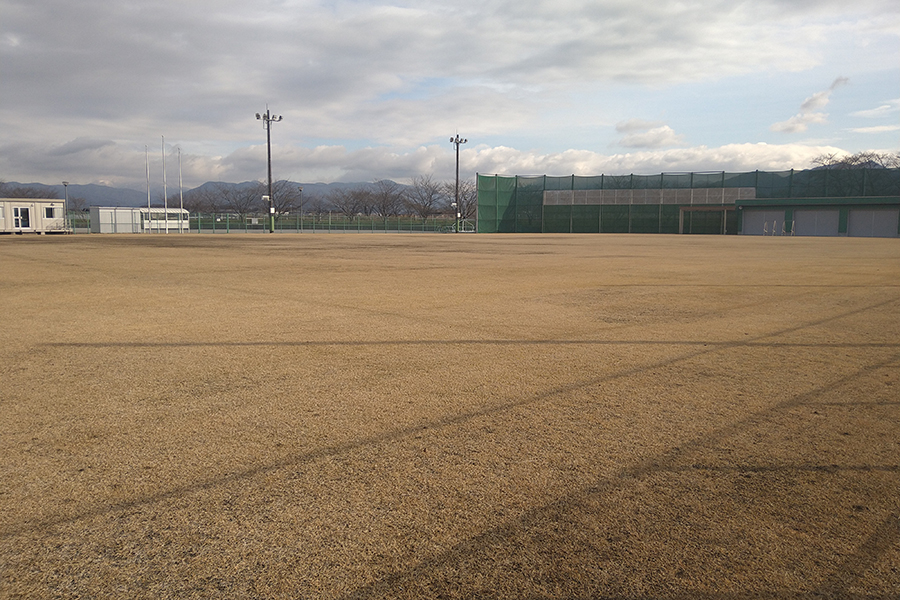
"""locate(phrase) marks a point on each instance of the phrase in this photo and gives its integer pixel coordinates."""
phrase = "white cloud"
(876, 129)
(731, 157)
(800, 122)
(637, 125)
(885, 110)
(647, 134)
(807, 115)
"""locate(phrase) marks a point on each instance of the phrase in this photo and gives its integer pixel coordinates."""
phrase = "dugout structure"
(119, 219)
(838, 202)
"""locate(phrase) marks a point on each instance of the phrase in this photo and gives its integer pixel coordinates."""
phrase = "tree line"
(424, 197)
(861, 160)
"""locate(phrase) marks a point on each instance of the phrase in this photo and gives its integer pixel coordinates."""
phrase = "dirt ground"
(449, 416)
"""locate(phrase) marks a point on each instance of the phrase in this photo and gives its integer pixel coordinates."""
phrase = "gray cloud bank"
(369, 89)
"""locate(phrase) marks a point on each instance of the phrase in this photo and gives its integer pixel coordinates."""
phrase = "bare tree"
(287, 197)
(351, 202)
(314, 204)
(468, 198)
(243, 201)
(861, 160)
(13, 191)
(196, 201)
(77, 204)
(853, 174)
(365, 200)
(424, 196)
(387, 198)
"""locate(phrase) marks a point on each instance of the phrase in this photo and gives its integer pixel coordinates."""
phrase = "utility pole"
(267, 120)
(457, 141)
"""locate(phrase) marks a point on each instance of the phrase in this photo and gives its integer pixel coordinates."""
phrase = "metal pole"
(181, 196)
(147, 152)
(457, 140)
(66, 209)
(267, 118)
(269, 149)
(165, 188)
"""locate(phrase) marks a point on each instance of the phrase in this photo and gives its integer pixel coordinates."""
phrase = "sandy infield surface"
(449, 416)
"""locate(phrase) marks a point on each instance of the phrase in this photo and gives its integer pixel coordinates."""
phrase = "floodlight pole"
(66, 209)
(267, 120)
(457, 140)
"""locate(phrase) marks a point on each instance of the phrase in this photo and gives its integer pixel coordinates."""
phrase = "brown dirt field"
(441, 416)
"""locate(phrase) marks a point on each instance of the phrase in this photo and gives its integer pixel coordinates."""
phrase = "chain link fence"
(80, 222)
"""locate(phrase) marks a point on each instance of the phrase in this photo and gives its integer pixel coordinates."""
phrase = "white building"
(116, 219)
(32, 215)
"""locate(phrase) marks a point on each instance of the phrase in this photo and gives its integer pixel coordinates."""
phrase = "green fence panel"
(773, 184)
(846, 182)
(529, 220)
(506, 185)
(506, 225)
(487, 218)
(644, 219)
(738, 180)
(646, 182)
(487, 203)
(506, 204)
(617, 182)
(807, 184)
(614, 219)
(588, 183)
(703, 222)
(529, 203)
(708, 180)
(557, 219)
(558, 183)
(586, 218)
(487, 183)
(731, 222)
(676, 181)
(882, 182)
(669, 218)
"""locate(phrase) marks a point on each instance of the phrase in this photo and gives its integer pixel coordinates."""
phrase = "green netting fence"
(517, 203)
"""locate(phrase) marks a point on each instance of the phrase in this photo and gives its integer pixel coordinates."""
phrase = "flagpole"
(165, 189)
(147, 152)
(181, 196)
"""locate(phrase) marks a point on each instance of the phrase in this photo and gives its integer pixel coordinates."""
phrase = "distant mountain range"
(101, 195)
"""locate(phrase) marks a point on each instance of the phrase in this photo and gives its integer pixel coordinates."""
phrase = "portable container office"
(32, 215)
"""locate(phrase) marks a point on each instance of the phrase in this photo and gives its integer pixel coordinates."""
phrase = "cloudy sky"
(376, 88)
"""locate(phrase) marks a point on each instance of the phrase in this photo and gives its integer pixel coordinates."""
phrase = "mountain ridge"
(100, 195)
